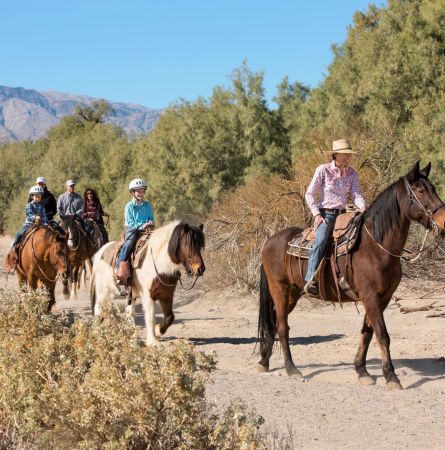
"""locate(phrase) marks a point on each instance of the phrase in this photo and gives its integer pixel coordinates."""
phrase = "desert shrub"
(239, 225)
(68, 382)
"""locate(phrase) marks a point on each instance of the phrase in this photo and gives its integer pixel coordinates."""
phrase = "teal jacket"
(137, 215)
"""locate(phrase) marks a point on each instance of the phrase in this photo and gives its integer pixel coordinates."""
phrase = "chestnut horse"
(40, 261)
(372, 269)
(81, 249)
(170, 247)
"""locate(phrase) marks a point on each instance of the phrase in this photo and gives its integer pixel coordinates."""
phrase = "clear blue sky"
(152, 53)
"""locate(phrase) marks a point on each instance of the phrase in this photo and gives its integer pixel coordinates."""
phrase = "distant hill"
(28, 114)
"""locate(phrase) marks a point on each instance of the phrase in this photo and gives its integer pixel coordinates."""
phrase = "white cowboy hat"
(342, 146)
(41, 180)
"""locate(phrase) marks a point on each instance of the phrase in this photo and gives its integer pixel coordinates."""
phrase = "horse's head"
(69, 224)
(59, 252)
(425, 206)
(185, 246)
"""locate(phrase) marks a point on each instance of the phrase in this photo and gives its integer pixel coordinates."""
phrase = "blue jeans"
(20, 234)
(322, 235)
(131, 236)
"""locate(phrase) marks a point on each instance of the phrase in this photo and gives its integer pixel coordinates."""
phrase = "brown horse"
(41, 259)
(372, 269)
(81, 249)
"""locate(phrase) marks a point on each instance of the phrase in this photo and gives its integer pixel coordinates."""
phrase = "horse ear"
(413, 175)
(186, 227)
(426, 170)
(201, 226)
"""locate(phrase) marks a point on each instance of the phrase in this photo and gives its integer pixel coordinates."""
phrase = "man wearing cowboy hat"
(332, 182)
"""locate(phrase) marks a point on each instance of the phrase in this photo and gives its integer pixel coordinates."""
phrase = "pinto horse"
(81, 248)
(372, 269)
(170, 247)
(42, 258)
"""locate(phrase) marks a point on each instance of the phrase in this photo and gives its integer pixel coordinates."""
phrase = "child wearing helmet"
(35, 213)
(138, 217)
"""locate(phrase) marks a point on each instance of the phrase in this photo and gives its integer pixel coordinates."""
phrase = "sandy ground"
(331, 410)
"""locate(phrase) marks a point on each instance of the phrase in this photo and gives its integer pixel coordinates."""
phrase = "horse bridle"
(178, 276)
(38, 265)
(429, 213)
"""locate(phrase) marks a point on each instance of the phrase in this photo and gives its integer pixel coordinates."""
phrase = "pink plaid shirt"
(333, 188)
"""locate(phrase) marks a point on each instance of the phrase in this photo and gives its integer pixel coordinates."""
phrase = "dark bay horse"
(81, 249)
(42, 258)
(170, 247)
(373, 270)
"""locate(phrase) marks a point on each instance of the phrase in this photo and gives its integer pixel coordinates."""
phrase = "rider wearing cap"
(138, 217)
(332, 183)
(35, 214)
(69, 203)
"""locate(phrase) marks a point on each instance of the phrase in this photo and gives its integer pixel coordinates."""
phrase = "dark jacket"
(49, 202)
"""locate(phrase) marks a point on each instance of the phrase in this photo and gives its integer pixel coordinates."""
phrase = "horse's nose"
(201, 270)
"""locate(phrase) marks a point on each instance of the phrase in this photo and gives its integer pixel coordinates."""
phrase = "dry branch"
(407, 309)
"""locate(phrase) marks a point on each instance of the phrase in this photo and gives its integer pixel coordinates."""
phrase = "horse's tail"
(267, 320)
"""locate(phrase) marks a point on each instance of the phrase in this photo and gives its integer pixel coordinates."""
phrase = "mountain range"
(27, 114)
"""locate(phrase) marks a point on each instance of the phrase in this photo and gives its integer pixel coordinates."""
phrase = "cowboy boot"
(123, 273)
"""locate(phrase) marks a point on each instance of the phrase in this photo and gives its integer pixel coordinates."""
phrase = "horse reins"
(38, 265)
(177, 279)
(413, 198)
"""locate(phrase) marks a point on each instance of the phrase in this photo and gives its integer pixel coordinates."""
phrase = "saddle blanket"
(344, 237)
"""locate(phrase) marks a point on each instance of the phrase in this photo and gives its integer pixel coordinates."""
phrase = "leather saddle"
(344, 237)
(123, 272)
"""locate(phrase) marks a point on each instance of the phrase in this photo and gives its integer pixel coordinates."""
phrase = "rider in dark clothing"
(93, 211)
(49, 203)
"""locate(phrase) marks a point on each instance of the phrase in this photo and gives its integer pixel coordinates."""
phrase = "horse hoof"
(295, 373)
(394, 386)
(262, 369)
(366, 380)
(158, 331)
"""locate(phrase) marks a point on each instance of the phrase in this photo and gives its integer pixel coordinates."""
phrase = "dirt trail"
(331, 410)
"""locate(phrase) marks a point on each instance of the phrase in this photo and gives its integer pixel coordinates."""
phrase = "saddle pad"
(137, 256)
(109, 254)
(344, 237)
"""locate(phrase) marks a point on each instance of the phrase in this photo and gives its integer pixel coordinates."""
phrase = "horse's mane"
(384, 212)
(169, 235)
(51, 233)
(193, 235)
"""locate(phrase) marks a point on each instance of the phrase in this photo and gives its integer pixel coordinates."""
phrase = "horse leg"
(294, 295)
(374, 311)
(74, 280)
(169, 317)
(150, 319)
(280, 293)
(130, 303)
(360, 358)
(52, 298)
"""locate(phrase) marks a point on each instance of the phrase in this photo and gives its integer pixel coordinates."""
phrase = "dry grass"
(84, 383)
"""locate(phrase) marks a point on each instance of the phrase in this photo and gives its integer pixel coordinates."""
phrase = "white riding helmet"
(41, 180)
(36, 190)
(137, 183)
(70, 183)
